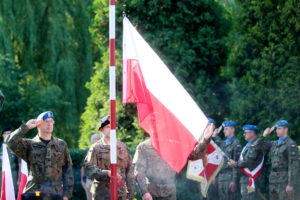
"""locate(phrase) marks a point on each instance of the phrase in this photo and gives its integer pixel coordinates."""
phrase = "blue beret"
(282, 123)
(251, 128)
(104, 121)
(212, 121)
(229, 123)
(45, 115)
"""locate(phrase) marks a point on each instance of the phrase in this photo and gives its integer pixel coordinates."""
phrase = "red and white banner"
(251, 174)
(22, 178)
(165, 110)
(206, 169)
(7, 187)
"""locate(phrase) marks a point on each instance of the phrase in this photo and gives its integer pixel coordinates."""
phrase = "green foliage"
(45, 61)
(190, 36)
(264, 64)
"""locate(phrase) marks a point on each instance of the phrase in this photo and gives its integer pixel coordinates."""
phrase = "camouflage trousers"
(277, 192)
(225, 192)
(248, 196)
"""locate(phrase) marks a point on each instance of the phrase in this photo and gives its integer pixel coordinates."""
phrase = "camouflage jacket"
(252, 157)
(232, 150)
(153, 174)
(50, 166)
(97, 166)
(284, 160)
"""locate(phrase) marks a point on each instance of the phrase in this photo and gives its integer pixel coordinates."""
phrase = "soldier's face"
(106, 130)
(281, 131)
(229, 131)
(6, 133)
(249, 135)
(47, 125)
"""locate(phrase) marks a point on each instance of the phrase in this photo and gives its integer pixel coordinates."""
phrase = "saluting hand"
(217, 131)
(208, 131)
(32, 123)
(268, 131)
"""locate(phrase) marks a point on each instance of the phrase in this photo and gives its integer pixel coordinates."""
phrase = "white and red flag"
(22, 178)
(7, 187)
(252, 174)
(165, 110)
(206, 169)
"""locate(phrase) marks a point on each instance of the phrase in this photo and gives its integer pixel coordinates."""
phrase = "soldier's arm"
(236, 154)
(91, 168)
(293, 164)
(68, 179)
(140, 168)
(264, 144)
(248, 160)
(130, 178)
(217, 140)
(199, 150)
(17, 143)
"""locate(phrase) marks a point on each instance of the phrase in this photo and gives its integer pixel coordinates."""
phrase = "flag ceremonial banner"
(251, 174)
(7, 187)
(22, 178)
(205, 170)
(165, 110)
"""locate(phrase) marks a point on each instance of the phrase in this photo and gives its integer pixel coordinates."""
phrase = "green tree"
(190, 36)
(45, 61)
(264, 64)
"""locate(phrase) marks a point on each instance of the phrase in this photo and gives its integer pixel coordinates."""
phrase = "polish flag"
(166, 111)
(7, 187)
(23, 178)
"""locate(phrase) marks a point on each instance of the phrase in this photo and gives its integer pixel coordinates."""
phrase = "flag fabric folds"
(206, 169)
(22, 178)
(165, 110)
(7, 187)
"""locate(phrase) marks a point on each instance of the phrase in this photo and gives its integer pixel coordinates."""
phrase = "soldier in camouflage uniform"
(252, 156)
(154, 177)
(47, 157)
(97, 166)
(228, 177)
(284, 162)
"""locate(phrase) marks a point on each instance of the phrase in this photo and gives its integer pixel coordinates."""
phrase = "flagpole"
(112, 93)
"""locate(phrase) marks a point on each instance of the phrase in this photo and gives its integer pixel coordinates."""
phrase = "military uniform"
(97, 166)
(153, 174)
(232, 148)
(252, 157)
(50, 165)
(284, 166)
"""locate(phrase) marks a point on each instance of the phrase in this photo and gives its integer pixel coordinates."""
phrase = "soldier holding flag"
(155, 178)
(250, 163)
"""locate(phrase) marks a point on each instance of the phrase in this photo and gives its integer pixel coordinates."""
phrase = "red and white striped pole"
(112, 93)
